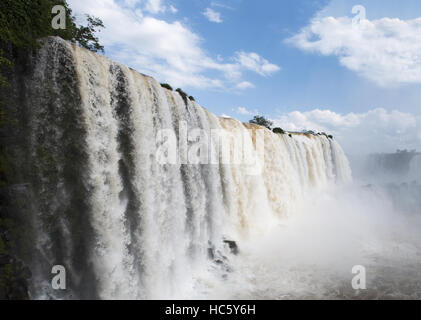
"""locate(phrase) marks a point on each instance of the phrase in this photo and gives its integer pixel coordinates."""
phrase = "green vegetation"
(278, 130)
(84, 36)
(23, 22)
(262, 121)
(182, 94)
(166, 86)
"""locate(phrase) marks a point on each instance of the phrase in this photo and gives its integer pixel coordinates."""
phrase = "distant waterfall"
(124, 224)
(415, 168)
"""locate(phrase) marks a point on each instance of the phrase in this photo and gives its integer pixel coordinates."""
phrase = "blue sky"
(304, 64)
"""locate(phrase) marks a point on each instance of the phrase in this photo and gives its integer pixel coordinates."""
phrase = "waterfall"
(415, 168)
(123, 223)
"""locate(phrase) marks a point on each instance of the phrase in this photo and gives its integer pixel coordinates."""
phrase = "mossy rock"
(13, 279)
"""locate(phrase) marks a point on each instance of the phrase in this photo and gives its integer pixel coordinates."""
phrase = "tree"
(23, 22)
(261, 121)
(85, 35)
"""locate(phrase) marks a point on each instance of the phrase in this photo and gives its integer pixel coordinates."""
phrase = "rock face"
(233, 246)
(14, 279)
(14, 275)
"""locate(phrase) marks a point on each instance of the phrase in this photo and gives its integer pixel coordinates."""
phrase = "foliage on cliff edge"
(23, 22)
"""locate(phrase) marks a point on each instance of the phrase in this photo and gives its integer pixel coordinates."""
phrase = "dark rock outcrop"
(233, 246)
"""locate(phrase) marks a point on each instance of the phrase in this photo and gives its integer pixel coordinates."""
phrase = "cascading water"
(124, 224)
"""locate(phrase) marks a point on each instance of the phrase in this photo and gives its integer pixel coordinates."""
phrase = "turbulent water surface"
(126, 225)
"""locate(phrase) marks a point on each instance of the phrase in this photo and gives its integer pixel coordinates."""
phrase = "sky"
(348, 68)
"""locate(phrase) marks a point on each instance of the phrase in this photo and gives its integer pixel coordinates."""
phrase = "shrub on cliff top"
(278, 130)
(23, 22)
(183, 95)
(166, 86)
(261, 121)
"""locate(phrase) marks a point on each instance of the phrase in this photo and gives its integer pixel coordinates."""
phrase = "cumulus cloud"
(155, 6)
(150, 6)
(252, 61)
(212, 15)
(386, 51)
(245, 85)
(376, 130)
(173, 9)
(168, 51)
(243, 111)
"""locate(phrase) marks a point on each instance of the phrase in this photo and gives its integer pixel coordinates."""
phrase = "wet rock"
(3, 295)
(4, 259)
(26, 273)
(233, 246)
(211, 253)
(13, 279)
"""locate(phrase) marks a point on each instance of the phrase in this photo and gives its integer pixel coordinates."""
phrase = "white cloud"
(131, 3)
(252, 61)
(244, 85)
(386, 51)
(168, 51)
(377, 130)
(243, 111)
(173, 9)
(155, 6)
(221, 5)
(212, 15)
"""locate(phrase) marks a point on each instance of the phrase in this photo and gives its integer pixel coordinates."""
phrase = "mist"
(372, 222)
